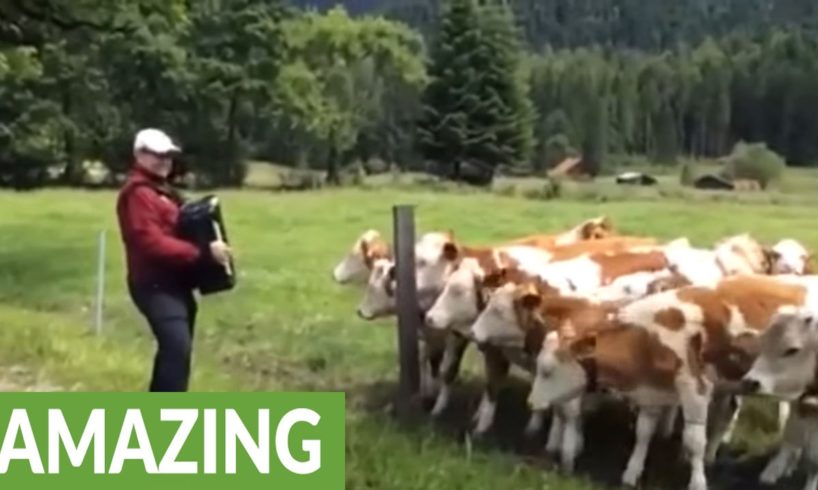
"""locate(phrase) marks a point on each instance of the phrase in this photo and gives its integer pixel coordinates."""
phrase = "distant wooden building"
(747, 185)
(714, 182)
(717, 182)
(636, 178)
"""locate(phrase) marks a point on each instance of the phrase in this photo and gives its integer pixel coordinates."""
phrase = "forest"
(417, 84)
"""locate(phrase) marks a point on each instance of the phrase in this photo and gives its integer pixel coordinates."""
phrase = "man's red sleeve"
(145, 233)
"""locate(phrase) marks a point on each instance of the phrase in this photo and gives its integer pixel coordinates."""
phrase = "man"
(159, 263)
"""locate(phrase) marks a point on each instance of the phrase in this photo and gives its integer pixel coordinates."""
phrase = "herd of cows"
(672, 329)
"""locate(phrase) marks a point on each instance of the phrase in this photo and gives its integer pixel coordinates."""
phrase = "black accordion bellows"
(201, 222)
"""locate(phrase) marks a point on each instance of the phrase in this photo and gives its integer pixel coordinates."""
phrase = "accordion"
(200, 222)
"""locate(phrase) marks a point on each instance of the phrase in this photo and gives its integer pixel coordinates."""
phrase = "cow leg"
(535, 423)
(572, 440)
(786, 459)
(731, 428)
(669, 417)
(554, 443)
(646, 424)
(496, 366)
(723, 418)
(695, 395)
(783, 415)
(455, 348)
(431, 354)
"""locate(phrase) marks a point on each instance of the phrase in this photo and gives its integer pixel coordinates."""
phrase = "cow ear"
(583, 347)
(531, 301)
(495, 278)
(809, 264)
(772, 256)
(364, 248)
(529, 296)
(450, 251)
(588, 230)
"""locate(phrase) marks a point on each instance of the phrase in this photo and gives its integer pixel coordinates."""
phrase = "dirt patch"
(608, 428)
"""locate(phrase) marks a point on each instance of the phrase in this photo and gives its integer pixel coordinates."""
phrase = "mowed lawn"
(289, 327)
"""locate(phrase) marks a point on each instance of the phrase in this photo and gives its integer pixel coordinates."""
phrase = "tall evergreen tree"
(513, 105)
(476, 108)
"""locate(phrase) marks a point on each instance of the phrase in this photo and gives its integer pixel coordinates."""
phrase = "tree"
(332, 85)
(476, 108)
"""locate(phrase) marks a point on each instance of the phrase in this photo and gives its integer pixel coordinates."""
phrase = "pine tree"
(514, 107)
(443, 131)
(476, 108)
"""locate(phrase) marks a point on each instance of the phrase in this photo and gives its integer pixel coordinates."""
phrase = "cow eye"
(791, 351)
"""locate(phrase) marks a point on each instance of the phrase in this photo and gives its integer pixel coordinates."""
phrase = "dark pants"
(171, 314)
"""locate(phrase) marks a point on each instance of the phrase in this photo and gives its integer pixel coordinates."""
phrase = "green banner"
(170, 440)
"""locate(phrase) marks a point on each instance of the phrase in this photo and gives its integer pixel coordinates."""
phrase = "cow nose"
(750, 386)
(429, 320)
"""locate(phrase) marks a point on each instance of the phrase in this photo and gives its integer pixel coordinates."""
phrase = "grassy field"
(287, 326)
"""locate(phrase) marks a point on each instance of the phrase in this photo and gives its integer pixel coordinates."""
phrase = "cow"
(687, 347)
(461, 299)
(379, 298)
(436, 257)
(356, 266)
(786, 369)
(590, 229)
(463, 296)
(788, 256)
(730, 256)
(511, 329)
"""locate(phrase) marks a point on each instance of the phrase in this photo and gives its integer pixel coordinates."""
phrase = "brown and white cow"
(590, 229)
(465, 289)
(789, 256)
(786, 369)
(356, 266)
(511, 330)
(734, 255)
(436, 257)
(685, 347)
(379, 298)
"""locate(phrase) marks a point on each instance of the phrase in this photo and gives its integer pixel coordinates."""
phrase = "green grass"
(287, 326)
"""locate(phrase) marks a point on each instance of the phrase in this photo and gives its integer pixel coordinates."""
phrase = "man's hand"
(220, 252)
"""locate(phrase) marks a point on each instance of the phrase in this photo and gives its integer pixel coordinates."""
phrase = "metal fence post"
(408, 312)
(100, 283)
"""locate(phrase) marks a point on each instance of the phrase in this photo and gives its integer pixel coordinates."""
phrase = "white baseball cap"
(156, 141)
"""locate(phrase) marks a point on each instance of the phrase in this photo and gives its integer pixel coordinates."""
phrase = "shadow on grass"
(609, 432)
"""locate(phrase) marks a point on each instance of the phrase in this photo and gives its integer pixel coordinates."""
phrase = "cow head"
(786, 364)
(510, 313)
(742, 254)
(436, 257)
(590, 229)
(467, 293)
(379, 296)
(616, 356)
(357, 264)
(788, 256)
(558, 375)
(462, 298)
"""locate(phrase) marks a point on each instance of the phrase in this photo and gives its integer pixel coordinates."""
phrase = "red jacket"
(147, 221)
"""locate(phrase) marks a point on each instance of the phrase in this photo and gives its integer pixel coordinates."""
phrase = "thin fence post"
(408, 312)
(100, 283)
